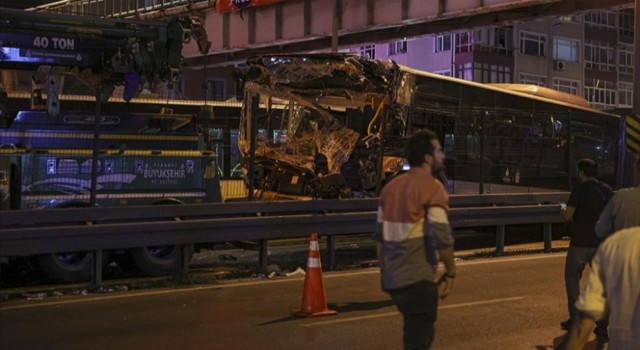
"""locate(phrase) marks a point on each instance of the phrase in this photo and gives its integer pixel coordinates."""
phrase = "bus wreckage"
(333, 125)
(318, 133)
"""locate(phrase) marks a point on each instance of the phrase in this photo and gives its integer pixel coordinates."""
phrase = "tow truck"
(51, 156)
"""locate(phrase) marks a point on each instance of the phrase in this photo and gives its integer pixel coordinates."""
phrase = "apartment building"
(589, 55)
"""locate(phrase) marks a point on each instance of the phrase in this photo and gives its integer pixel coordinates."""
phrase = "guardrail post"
(500, 229)
(96, 281)
(186, 257)
(262, 253)
(547, 231)
(331, 251)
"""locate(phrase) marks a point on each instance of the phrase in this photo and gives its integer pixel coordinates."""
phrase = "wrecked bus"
(334, 125)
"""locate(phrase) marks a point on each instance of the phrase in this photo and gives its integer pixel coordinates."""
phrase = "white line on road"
(252, 283)
(521, 258)
(396, 313)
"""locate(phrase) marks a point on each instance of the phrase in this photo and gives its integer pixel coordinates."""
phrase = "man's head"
(423, 148)
(587, 169)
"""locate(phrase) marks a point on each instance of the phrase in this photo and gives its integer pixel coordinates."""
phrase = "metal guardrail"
(31, 240)
(42, 231)
(32, 232)
(75, 216)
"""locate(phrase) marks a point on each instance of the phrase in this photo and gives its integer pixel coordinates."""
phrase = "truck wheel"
(160, 260)
(69, 266)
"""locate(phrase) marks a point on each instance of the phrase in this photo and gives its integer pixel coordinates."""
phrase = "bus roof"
(545, 92)
(523, 90)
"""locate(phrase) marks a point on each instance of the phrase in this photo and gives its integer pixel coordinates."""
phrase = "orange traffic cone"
(314, 298)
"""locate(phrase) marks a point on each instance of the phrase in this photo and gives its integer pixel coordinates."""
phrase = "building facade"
(588, 55)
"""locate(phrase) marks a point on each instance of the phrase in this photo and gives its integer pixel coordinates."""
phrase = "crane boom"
(102, 51)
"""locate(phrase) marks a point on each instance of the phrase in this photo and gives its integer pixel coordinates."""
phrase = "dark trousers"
(418, 304)
(577, 259)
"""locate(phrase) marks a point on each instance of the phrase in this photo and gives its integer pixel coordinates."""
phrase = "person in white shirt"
(622, 210)
(614, 288)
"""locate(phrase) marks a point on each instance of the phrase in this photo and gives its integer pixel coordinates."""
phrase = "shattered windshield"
(298, 132)
(310, 115)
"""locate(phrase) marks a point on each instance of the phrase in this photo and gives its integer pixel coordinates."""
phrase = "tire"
(160, 260)
(69, 266)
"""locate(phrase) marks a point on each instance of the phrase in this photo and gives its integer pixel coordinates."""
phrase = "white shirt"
(622, 211)
(614, 285)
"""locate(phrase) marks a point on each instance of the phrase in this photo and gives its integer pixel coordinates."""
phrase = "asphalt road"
(499, 303)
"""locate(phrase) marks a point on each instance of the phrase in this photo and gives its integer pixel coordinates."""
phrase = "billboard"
(233, 5)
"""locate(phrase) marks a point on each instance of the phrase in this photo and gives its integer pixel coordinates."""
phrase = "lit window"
(565, 49)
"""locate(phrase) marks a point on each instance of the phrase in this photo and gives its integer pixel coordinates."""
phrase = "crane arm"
(101, 50)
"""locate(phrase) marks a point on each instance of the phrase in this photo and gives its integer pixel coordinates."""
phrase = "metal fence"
(46, 231)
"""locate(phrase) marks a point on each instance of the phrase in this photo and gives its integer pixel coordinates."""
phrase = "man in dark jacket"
(586, 202)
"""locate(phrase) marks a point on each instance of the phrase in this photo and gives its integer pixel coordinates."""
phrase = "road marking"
(223, 285)
(521, 258)
(101, 298)
(496, 260)
(396, 313)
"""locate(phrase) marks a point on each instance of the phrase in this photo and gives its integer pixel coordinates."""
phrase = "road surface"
(498, 303)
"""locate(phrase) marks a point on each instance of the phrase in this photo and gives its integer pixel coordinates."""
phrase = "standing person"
(586, 202)
(613, 288)
(413, 232)
(622, 211)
